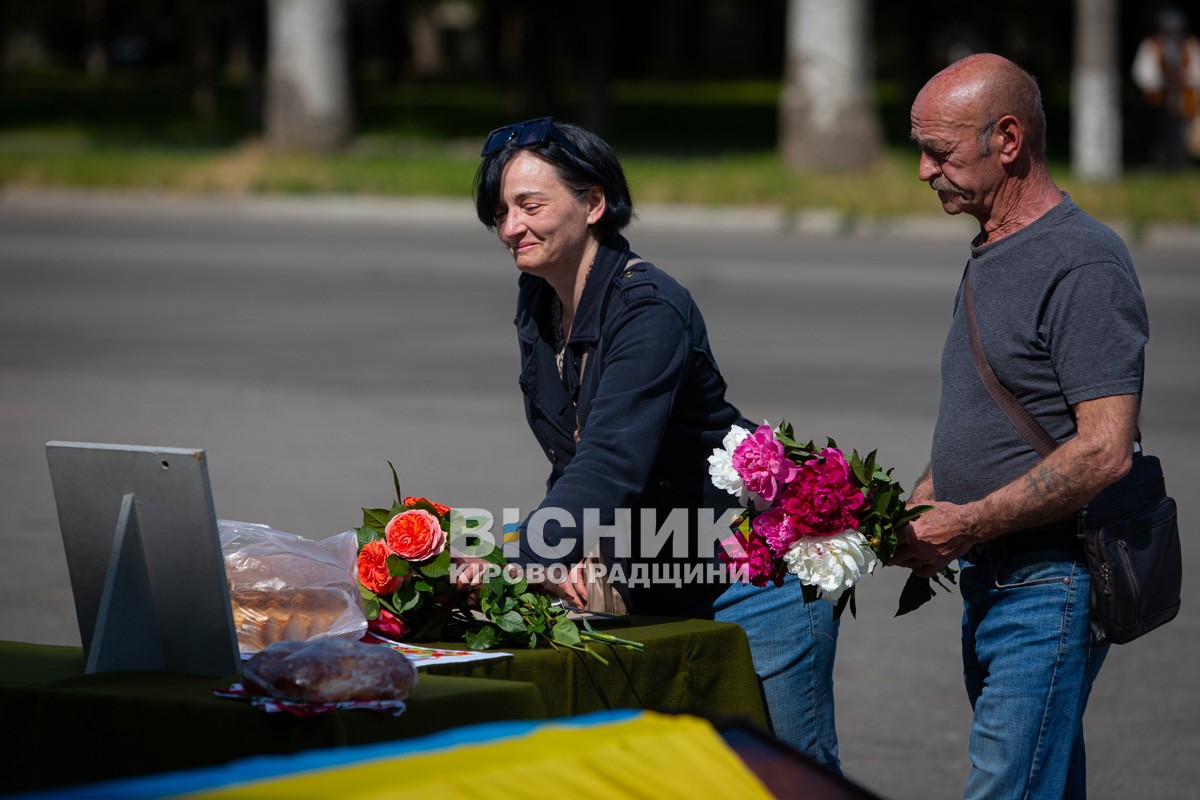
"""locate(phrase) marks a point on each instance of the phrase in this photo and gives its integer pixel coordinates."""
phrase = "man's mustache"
(942, 184)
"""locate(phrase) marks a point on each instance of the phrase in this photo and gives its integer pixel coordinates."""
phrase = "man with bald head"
(1063, 324)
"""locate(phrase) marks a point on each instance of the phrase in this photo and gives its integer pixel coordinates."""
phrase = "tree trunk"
(202, 69)
(308, 103)
(827, 116)
(597, 107)
(1095, 92)
(95, 52)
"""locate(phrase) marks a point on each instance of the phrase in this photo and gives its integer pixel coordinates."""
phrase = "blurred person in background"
(1167, 70)
(623, 394)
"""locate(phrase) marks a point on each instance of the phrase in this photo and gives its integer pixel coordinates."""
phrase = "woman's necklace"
(556, 322)
(560, 341)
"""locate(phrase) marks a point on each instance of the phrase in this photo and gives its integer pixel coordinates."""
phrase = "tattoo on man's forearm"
(1048, 483)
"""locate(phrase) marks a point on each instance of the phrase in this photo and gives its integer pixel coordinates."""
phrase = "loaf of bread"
(262, 617)
(329, 671)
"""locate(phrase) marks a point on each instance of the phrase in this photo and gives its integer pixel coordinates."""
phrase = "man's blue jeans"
(793, 646)
(1029, 665)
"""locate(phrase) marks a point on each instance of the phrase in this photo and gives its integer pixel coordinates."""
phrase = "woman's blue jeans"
(1029, 665)
(793, 646)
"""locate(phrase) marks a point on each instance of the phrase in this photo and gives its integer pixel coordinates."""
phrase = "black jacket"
(649, 411)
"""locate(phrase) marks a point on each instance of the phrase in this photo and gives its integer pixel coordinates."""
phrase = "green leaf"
(910, 513)
(365, 534)
(510, 622)
(498, 586)
(883, 501)
(495, 556)
(948, 573)
(483, 639)
(407, 597)
(396, 483)
(507, 604)
(788, 442)
(856, 467)
(565, 632)
(865, 470)
(846, 600)
(437, 567)
(471, 544)
(377, 519)
(397, 566)
(870, 464)
(916, 593)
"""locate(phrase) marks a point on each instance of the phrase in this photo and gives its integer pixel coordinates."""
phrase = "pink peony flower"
(752, 554)
(824, 498)
(774, 528)
(762, 462)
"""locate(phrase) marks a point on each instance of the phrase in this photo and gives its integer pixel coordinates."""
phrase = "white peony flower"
(720, 464)
(831, 563)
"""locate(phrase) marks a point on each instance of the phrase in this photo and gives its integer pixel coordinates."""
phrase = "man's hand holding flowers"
(933, 542)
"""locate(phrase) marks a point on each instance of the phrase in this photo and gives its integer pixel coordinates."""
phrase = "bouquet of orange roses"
(404, 571)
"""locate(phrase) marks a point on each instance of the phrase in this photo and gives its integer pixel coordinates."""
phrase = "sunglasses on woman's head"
(524, 134)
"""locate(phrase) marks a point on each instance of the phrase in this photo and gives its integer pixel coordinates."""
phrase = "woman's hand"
(470, 573)
(574, 589)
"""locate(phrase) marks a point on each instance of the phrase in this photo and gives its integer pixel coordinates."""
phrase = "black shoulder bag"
(1130, 529)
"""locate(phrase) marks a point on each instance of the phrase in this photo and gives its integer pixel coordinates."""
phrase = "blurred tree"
(827, 118)
(95, 55)
(597, 101)
(198, 22)
(308, 104)
(1095, 92)
(523, 40)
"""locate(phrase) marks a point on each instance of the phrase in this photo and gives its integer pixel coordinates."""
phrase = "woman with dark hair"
(623, 394)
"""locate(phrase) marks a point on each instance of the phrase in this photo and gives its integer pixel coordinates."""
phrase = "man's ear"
(1008, 138)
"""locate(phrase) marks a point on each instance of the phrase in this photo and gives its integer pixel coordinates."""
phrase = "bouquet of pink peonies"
(812, 512)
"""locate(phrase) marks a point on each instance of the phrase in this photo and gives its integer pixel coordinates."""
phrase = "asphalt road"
(304, 344)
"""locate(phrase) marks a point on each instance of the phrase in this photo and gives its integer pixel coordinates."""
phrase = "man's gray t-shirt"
(1062, 320)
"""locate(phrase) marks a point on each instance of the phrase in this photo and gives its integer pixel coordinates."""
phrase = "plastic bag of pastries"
(287, 588)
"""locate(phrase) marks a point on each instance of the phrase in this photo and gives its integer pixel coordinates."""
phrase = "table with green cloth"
(688, 665)
(65, 727)
(68, 728)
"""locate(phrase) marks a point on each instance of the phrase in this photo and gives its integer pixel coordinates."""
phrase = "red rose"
(409, 502)
(415, 535)
(372, 568)
(388, 625)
